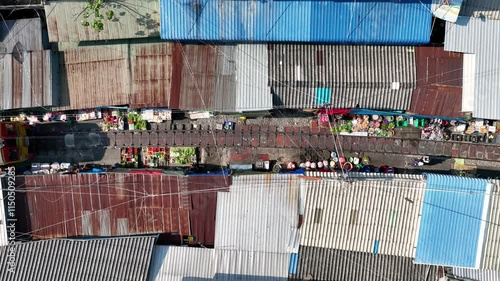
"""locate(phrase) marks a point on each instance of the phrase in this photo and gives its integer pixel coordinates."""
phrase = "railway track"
(268, 136)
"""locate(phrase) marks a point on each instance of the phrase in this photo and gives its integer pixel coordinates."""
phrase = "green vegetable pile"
(183, 155)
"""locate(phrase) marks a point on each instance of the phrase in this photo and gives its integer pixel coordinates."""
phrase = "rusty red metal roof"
(203, 192)
(437, 101)
(138, 75)
(439, 83)
(106, 205)
(435, 66)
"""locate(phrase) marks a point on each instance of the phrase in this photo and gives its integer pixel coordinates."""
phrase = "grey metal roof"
(491, 254)
(329, 264)
(481, 9)
(262, 211)
(22, 34)
(480, 37)
(134, 19)
(169, 263)
(378, 77)
(477, 274)
(61, 260)
(172, 263)
(229, 78)
(30, 79)
(373, 215)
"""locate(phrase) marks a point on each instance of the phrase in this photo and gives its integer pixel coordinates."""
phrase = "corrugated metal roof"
(351, 22)
(105, 205)
(252, 89)
(491, 257)
(453, 224)
(439, 83)
(262, 212)
(126, 259)
(134, 19)
(29, 79)
(308, 76)
(225, 78)
(329, 264)
(352, 175)
(3, 218)
(482, 38)
(251, 266)
(481, 9)
(437, 67)
(203, 195)
(373, 215)
(184, 263)
(477, 274)
(138, 75)
(437, 101)
(20, 36)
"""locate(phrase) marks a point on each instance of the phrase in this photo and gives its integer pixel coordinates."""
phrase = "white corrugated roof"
(352, 215)
(252, 90)
(249, 266)
(491, 256)
(477, 274)
(259, 213)
(172, 263)
(480, 37)
(177, 263)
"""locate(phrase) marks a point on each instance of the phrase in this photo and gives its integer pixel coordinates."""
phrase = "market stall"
(158, 157)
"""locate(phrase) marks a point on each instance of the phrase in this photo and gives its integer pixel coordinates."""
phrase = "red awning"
(335, 111)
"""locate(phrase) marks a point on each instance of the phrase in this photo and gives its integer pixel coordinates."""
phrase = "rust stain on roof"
(137, 75)
(106, 205)
(439, 83)
(203, 192)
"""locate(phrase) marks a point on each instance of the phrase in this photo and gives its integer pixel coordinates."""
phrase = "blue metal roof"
(404, 22)
(453, 221)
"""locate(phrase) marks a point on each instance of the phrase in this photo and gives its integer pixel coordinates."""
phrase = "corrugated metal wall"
(133, 19)
(259, 213)
(29, 79)
(353, 75)
(351, 22)
(329, 264)
(366, 215)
